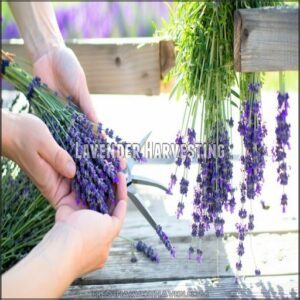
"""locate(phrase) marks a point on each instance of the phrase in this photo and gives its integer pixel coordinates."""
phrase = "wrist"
(51, 267)
(38, 26)
(43, 45)
(62, 248)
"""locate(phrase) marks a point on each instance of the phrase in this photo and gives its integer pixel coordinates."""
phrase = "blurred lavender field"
(101, 19)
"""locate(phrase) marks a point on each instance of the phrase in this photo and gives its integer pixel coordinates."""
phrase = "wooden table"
(276, 247)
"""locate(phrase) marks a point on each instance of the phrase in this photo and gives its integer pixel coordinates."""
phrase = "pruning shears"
(133, 179)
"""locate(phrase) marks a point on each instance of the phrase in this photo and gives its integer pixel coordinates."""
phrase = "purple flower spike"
(172, 183)
(179, 139)
(191, 135)
(238, 265)
(240, 249)
(190, 252)
(166, 241)
(284, 202)
(282, 142)
(148, 251)
(257, 272)
(184, 184)
(179, 211)
(199, 255)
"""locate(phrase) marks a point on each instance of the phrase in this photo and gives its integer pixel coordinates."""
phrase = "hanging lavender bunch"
(282, 141)
(253, 132)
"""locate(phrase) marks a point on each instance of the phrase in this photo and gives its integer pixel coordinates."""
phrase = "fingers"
(118, 216)
(121, 187)
(57, 157)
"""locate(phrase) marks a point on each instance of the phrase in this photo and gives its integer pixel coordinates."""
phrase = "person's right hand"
(28, 142)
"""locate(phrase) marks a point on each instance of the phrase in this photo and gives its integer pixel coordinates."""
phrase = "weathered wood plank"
(117, 66)
(274, 254)
(266, 39)
(268, 287)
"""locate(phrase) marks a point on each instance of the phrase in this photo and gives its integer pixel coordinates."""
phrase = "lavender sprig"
(165, 239)
(282, 143)
(148, 251)
(253, 132)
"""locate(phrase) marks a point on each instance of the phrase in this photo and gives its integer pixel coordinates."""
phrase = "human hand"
(60, 69)
(28, 142)
(96, 231)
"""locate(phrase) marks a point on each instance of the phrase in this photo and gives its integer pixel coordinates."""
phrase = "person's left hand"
(95, 232)
(60, 69)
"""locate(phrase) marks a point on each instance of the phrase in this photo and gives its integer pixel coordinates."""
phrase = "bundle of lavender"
(96, 175)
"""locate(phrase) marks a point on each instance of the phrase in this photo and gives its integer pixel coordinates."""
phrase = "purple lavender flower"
(282, 142)
(194, 229)
(242, 213)
(242, 230)
(230, 122)
(212, 194)
(284, 202)
(184, 184)
(166, 241)
(172, 183)
(257, 272)
(187, 162)
(240, 249)
(179, 211)
(191, 134)
(179, 139)
(147, 250)
(253, 132)
(96, 176)
(238, 265)
(199, 255)
(190, 252)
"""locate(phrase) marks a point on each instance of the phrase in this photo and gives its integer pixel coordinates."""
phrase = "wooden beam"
(266, 39)
(116, 66)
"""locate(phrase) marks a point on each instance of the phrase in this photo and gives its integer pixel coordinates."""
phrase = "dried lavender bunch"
(282, 140)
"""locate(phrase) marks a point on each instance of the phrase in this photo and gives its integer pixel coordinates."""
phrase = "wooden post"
(266, 39)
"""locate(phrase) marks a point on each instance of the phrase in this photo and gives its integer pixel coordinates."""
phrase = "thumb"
(57, 157)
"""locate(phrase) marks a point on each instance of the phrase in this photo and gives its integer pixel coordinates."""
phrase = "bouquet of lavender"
(96, 173)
